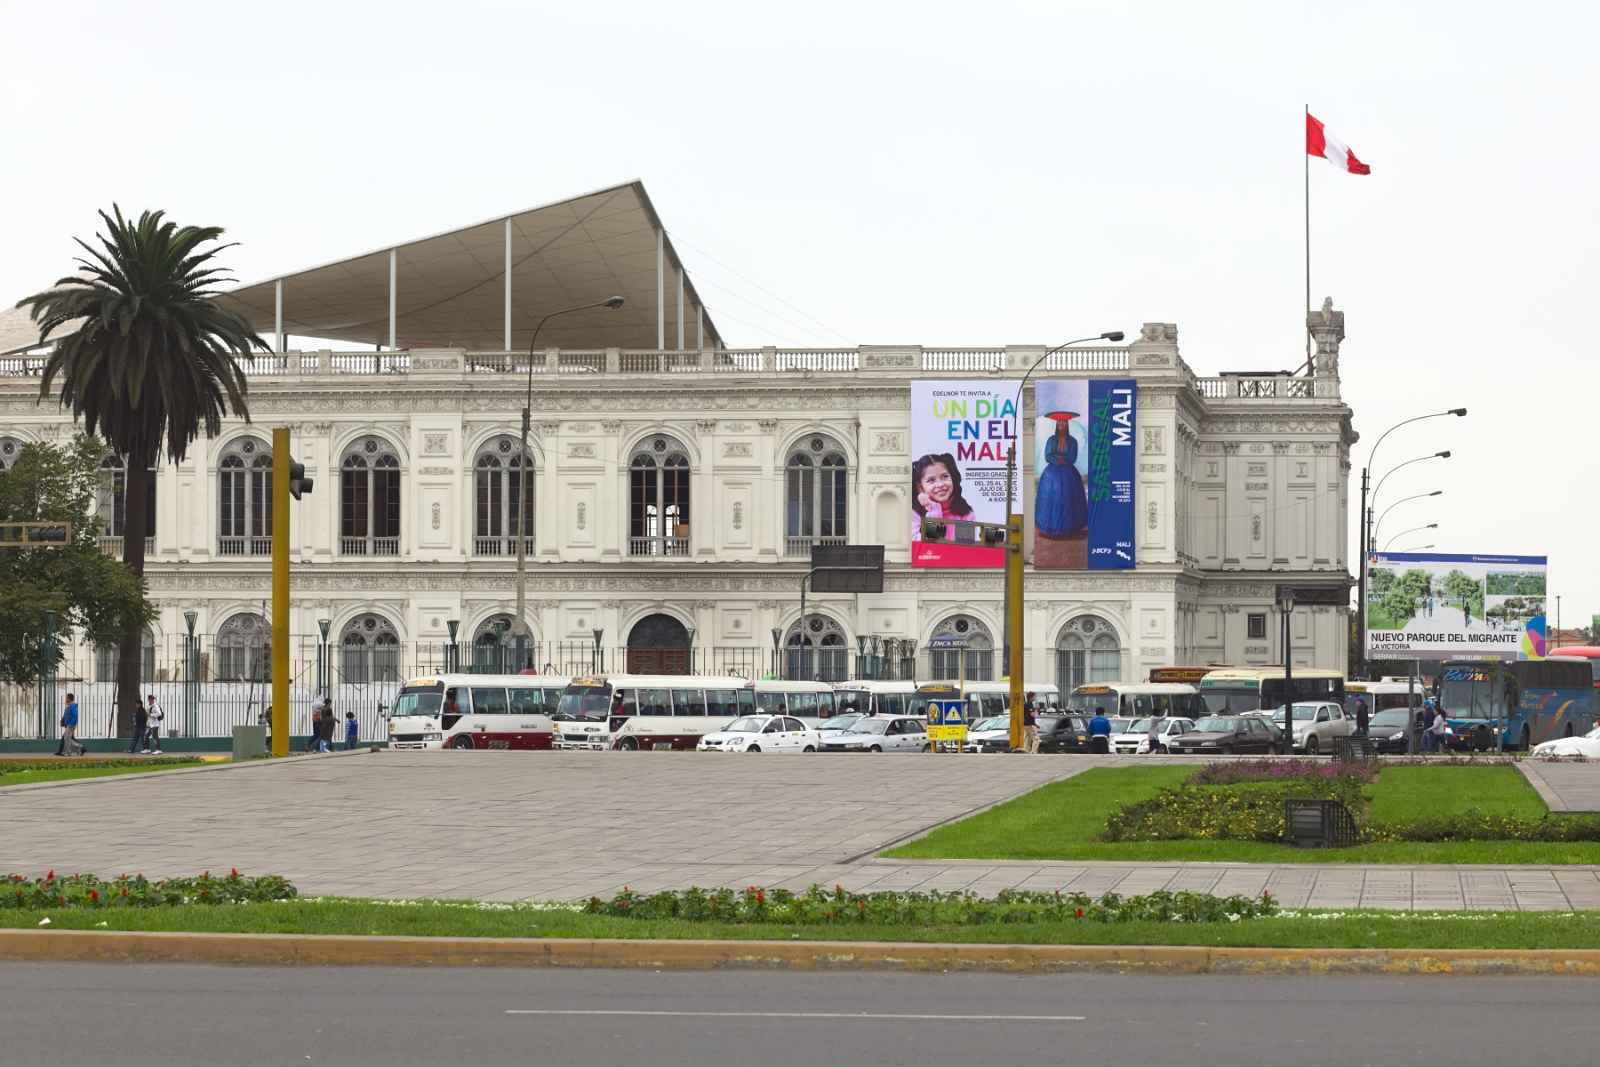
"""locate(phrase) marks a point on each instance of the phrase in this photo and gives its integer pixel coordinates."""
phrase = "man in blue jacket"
(69, 730)
(1099, 732)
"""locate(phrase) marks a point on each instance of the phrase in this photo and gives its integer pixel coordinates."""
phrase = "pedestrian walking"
(1440, 730)
(141, 722)
(69, 729)
(154, 717)
(1361, 717)
(1030, 726)
(1099, 732)
(352, 730)
(1153, 736)
(314, 738)
(329, 724)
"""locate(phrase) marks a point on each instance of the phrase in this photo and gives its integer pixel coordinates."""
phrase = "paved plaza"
(509, 825)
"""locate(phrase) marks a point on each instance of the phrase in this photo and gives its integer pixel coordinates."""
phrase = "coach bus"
(1136, 700)
(629, 712)
(874, 697)
(1589, 654)
(1381, 696)
(476, 711)
(1518, 703)
(1232, 690)
(812, 702)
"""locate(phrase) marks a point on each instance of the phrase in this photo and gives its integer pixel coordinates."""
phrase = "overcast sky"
(942, 174)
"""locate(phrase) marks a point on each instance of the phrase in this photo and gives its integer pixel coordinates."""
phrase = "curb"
(322, 950)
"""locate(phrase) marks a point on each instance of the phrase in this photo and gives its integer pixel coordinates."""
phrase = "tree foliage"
(84, 589)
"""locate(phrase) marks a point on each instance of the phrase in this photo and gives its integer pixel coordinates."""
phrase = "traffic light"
(933, 529)
(299, 484)
(964, 532)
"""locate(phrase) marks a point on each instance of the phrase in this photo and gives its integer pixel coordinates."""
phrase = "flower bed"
(820, 907)
(137, 891)
(80, 763)
(1282, 770)
(1245, 811)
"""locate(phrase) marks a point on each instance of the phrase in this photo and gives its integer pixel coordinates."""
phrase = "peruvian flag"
(1319, 142)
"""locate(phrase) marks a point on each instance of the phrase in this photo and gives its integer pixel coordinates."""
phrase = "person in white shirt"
(152, 733)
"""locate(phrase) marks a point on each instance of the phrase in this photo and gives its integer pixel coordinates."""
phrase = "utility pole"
(288, 480)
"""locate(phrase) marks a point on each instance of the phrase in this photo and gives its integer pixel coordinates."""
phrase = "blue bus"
(1524, 701)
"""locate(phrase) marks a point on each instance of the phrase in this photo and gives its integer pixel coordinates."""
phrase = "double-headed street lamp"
(1366, 522)
(1402, 533)
(524, 481)
(1013, 573)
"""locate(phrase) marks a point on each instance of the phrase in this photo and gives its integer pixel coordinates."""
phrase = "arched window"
(658, 494)
(105, 660)
(817, 653)
(494, 649)
(817, 506)
(1087, 651)
(369, 499)
(498, 490)
(111, 504)
(961, 647)
(244, 494)
(369, 651)
(10, 449)
(244, 649)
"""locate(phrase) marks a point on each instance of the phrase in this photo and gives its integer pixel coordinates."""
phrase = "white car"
(993, 732)
(1587, 746)
(1136, 740)
(762, 733)
(881, 733)
(1317, 724)
(843, 721)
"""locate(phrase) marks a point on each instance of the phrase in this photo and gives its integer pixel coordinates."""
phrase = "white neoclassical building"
(678, 485)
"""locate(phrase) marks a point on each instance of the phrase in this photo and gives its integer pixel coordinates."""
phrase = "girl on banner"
(936, 490)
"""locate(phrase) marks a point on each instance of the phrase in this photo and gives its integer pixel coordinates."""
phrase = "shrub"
(819, 907)
(137, 891)
(1479, 826)
(14, 766)
(1249, 811)
(1282, 770)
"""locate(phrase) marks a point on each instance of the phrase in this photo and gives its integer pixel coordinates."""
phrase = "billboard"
(1082, 504)
(1427, 604)
(960, 434)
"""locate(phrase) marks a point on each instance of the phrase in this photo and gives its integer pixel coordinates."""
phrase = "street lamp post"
(191, 665)
(1366, 528)
(777, 653)
(1286, 610)
(690, 630)
(1402, 533)
(1014, 629)
(525, 482)
(599, 660)
(452, 654)
(1377, 529)
(322, 657)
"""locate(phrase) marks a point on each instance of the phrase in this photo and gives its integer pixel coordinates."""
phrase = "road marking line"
(802, 1015)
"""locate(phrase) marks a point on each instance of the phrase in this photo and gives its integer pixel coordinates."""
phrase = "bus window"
(630, 701)
(528, 701)
(747, 702)
(655, 702)
(486, 701)
(891, 703)
(419, 700)
(1142, 705)
(770, 703)
(803, 704)
(689, 702)
(994, 704)
(1160, 704)
(722, 703)
(825, 705)
(456, 704)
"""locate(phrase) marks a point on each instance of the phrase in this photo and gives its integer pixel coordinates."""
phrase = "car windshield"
(750, 724)
(583, 705)
(1119, 725)
(1393, 718)
(995, 722)
(1141, 726)
(868, 726)
(1302, 712)
(1217, 724)
(841, 722)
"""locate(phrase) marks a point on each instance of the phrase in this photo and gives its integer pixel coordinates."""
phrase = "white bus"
(476, 711)
(812, 702)
(1136, 700)
(987, 699)
(638, 711)
(873, 698)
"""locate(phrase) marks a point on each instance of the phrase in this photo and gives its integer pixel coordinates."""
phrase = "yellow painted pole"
(1014, 616)
(280, 592)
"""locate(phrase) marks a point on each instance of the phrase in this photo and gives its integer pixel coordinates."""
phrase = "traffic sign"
(947, 712)
(947, 733)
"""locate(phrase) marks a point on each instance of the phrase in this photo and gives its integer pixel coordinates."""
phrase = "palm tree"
(147, 358)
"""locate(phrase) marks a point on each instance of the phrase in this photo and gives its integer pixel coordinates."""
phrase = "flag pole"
(1305, 158)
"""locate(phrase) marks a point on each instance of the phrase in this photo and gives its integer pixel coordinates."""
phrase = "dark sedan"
(1390, 730)
(1063, 733)
(1224, 735)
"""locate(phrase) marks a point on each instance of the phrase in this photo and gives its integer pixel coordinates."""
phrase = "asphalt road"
(169, 1014)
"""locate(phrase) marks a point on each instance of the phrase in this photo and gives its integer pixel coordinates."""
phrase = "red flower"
(761, 896)
(233, 872)
(94, 896)
(1078, 912)
(51, 876)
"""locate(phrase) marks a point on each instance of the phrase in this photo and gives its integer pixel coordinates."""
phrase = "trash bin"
(249, 742)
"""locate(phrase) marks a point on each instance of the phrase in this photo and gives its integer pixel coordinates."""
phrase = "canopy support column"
(508, 285)
(661, 289)
(393, 257)
(700, 327)
(680, 307)
(277, 315)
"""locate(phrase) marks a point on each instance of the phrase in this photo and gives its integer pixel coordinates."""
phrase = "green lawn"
(1343, 930)
(1060, 821)
(68, 773)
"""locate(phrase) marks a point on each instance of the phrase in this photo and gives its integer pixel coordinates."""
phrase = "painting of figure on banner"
(1083, 456)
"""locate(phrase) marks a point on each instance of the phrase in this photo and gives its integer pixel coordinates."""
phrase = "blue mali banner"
(1084, 437)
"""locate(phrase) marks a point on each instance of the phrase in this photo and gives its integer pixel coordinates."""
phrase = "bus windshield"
(584, 705)
(1089, 703)
(1468, 692)
(419, 700)
(1230, 701)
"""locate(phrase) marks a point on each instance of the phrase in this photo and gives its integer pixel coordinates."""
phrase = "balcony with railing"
(867, 361)
(112, 546)
(800, 545)
(369, 546)
(244, 546)
(659, 546)
(500, 546)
